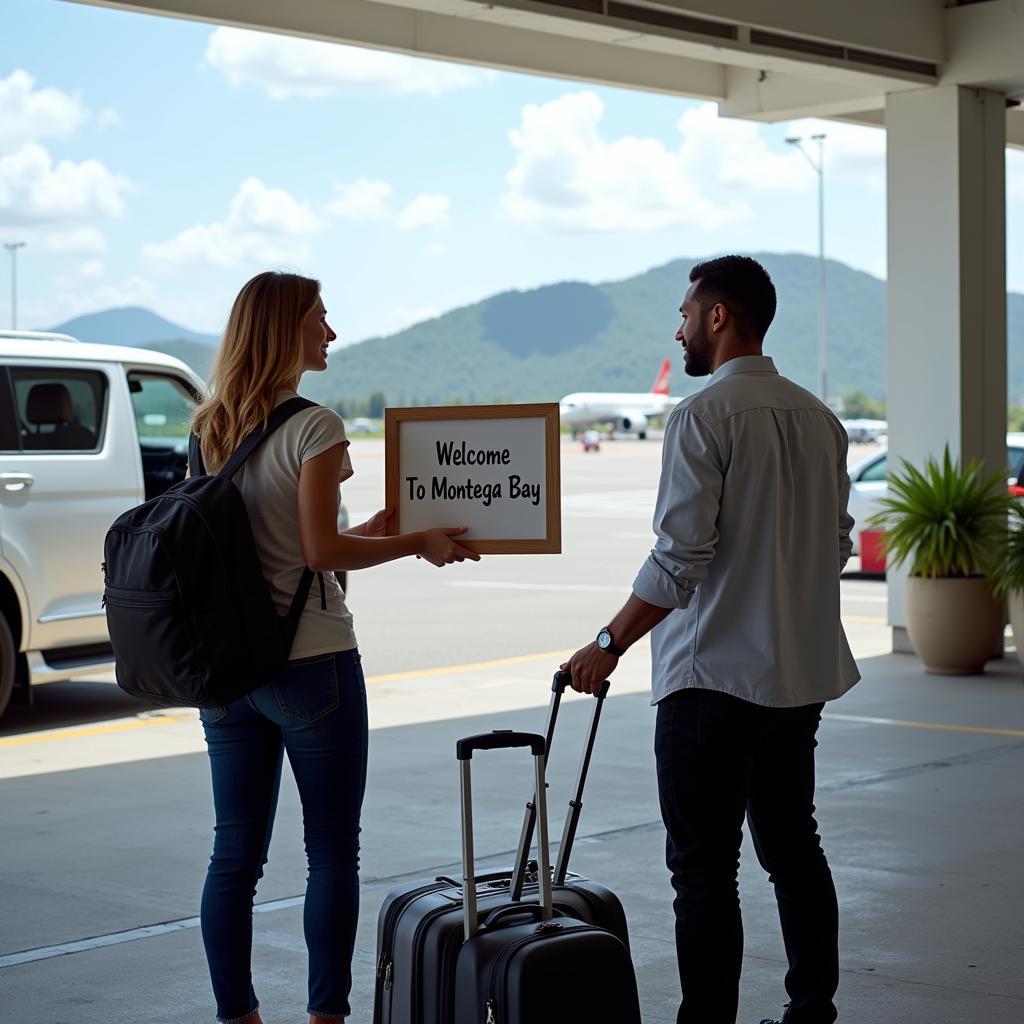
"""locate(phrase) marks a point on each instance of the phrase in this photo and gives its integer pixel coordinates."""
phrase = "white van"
(86, 432)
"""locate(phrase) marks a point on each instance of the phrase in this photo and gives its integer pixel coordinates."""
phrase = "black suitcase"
(421, 926)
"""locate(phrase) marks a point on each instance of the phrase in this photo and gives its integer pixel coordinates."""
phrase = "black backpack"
(190, 617)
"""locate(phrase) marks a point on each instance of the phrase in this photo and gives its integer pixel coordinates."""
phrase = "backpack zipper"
(118, 597)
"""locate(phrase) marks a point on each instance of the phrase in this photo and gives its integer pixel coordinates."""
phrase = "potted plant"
(950, 523)
(1008, 577)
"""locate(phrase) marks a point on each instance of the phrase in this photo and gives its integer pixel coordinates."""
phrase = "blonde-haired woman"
(316, 710)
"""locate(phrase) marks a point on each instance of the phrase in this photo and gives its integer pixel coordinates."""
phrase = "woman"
(316, 710)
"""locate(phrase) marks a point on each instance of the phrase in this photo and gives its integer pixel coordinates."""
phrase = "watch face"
(604, 639)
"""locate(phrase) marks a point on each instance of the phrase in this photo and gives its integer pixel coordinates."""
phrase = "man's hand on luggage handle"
(589, 668)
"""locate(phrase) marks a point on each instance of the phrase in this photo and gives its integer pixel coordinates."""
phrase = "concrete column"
(946, 296)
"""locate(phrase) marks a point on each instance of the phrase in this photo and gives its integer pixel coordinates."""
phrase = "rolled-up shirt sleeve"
(686, 514)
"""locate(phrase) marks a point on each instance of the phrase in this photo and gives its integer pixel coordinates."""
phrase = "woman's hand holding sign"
(439, 548)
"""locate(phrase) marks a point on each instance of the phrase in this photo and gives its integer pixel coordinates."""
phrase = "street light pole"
(12, 248)
(819, 167)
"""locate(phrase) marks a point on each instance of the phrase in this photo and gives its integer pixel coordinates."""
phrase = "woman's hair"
(261, 353)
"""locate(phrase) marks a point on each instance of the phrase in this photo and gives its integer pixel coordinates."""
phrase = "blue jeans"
(316, 711)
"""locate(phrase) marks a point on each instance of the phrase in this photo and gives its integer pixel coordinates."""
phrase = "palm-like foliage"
(1008, 573)
(947, 520)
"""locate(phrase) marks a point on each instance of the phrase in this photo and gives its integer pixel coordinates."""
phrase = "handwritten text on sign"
(450, 454)
(488, 475)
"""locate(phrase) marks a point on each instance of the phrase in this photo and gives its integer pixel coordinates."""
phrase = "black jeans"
(720, 758)
(316, 711)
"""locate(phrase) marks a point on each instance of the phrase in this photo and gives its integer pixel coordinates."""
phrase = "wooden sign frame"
(551, 543)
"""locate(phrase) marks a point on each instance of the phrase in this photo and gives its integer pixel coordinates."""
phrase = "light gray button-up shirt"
(753, 532)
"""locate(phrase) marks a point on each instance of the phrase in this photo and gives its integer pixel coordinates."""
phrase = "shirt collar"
(744, 364)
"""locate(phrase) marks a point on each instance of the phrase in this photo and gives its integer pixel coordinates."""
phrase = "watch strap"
(612, 648)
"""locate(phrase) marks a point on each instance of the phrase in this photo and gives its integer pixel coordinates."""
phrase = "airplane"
(628, 412)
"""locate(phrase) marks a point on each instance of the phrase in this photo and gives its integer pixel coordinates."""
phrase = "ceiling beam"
(447, 37)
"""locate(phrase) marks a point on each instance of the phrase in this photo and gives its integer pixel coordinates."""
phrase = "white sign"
(493, 469)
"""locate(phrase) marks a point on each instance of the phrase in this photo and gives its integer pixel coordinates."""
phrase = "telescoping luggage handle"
(501, 739)
(558, 687)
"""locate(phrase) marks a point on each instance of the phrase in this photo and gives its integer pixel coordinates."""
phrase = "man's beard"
(698, 356)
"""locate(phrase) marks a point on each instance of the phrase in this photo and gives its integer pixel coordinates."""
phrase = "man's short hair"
(740, 284)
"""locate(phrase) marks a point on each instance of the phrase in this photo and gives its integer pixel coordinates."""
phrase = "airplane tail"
(661, 382)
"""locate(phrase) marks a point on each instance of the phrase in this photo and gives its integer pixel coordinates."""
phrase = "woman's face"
(316, 336)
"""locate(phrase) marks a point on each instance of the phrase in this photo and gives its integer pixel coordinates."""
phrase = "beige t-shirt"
(269, 482)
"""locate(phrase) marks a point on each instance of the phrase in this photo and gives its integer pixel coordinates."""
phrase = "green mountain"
(130, 325)
(541, 344)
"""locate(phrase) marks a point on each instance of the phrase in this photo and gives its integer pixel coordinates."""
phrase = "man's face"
(696, 343)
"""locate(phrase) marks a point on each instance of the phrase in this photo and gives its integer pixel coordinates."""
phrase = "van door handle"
(16, 481)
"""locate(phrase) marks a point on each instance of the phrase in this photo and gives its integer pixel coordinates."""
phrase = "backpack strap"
(196, 467)
(298, 604)
(250, 443)
(253, 440)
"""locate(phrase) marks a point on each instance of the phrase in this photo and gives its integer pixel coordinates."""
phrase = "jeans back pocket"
(308, 689)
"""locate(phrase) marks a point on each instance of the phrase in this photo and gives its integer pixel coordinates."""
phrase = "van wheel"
(7, 662)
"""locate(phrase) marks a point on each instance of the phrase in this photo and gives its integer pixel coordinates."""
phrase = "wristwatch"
(606, 642)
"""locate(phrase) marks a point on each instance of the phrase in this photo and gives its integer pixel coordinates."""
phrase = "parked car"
(868, 482)
(86, 432)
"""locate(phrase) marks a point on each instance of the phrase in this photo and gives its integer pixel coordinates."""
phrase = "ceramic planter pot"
(954, 624)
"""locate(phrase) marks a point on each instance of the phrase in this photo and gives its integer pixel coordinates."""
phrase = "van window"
(8, 418)
(58, 409)
(163, 408)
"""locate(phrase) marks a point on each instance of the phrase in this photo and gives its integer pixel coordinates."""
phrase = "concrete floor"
(107, 816)
(923, 827)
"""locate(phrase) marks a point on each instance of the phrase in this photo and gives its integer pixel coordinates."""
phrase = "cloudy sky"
(162, 163)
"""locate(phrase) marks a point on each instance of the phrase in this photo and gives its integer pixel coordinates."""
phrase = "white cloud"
(263, 225)
(361, 200)
(366, 200)
(719, 151)
(428, 210)
(74, 294)
(35, 190)
(567, 176)
(852, 151)
(91, 270)
(287, 66)
(28, 114)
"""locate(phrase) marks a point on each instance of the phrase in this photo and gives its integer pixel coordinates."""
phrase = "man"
(742, 594)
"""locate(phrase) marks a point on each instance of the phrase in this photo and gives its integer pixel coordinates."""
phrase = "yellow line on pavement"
(477, 666)
(98, 730)
(981, 729)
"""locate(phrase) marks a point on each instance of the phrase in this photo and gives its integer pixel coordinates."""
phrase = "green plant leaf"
(947, 520)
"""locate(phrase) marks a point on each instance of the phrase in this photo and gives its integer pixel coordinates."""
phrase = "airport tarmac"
(107, 811)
